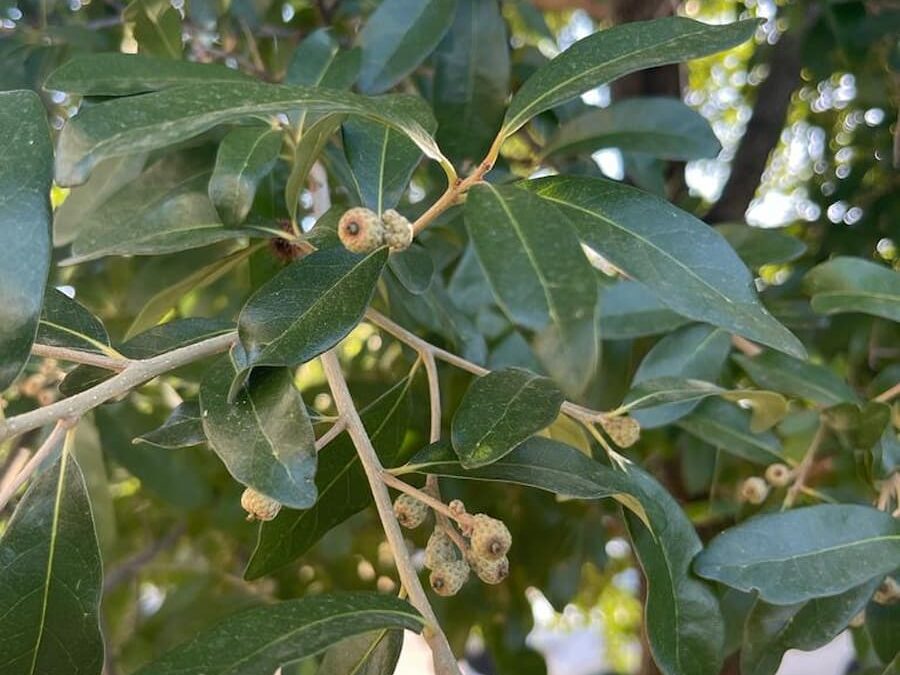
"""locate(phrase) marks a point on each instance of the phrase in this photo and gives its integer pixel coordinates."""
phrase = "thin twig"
(802, 472)
(17, 462)
(744, 345)
(444, 661)
(137, 373)
(889, 394)
(129, 567)
(47, 447)
(79, 356)
(434, 394)
(336, 429)
(435, 504)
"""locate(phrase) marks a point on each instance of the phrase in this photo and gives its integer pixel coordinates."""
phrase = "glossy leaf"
(695, 352)
(341, 482)
(683, 622)
(246, 155)
(319, 61)
(276, 634)
(66, 323)
(182, 429)
(413, 268)
(659, 127)
(609, 54)
(264, 437)
(796, 378)
(629, 310)
(25, 175)
(115, 74)
(727, 427)
(312, 142)
(51, 579)
(158, 119)
(758, 246)
(373, 653)
(772, 629)
(681, 259)
(471, 79)
(807, 553)
(157, 27)
(854, 285)
(540, 277)
(397, 37)
(308, 307)
(499, 411)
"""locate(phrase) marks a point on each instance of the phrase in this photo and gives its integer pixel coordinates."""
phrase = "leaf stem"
(435, 504)
(802, 472)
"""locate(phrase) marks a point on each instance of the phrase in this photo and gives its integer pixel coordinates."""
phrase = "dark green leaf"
(319, 61)
(499, 411)
(659, 127)
(51, 578)
(397, 37)
(883, 626)
(158, 119)
(806, 553)
(796, 378)
(341, 482)
(413, 268)
(275, 635)
(687, 264)
(25, 175)
(182, 429)
(373, 653)
(540, 276)
(246, 155)
(608, 54)
(861, 425)
(264, 437)
(629, 310)
(471, 79)
(157, 27)
(727, 427)
(66, 323)
(117, 74)
(696, 352)
(772, 629)
(312, 142)
(308, 307)
(758, 246)
(854, 285)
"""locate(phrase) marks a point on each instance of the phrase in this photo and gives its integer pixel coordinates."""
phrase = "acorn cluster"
(361, 230)
(755, 490)
(480, 546)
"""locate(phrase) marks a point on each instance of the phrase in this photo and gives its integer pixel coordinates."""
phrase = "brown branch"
(806, 465)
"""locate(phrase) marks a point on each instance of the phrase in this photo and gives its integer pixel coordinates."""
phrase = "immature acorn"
(778, 474)
(446, 579)
(490, 571)
(361, 230)
(490, 537)
(439, 550)
(410, 512)
(624, 431)
(258, 506)
(398, 231)
(754, 490)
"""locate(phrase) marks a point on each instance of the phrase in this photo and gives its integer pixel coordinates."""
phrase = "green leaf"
(312, 142)
(25, 175)
(264, 437)
(686, 263)
(629, 310)
(683, 621)
(246, 155)
(883, 626)
(319, 61)
(499, 411)
(861, 425)
(471, 79)
(660, 127)
(66, 323)
(159, 119)
(413, 268)
(772, 629)
(727, 427)
(157, 27)
(854, 285)
(609, 54)
(540, 276)
(166, 209)
(277, 634)
(341, 482)
(697, 352)
(758, 246)
(813, 552)
(397, 37)
(115, 74)
(796, 378)
(51, 578)
(308, 307)
(373, 653)
(182, 429)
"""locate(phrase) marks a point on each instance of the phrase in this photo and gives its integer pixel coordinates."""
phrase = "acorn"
(361, 230)
(490, 537)
(440, 549)
(490, 571)
(754, 490)
(778, 474)
(410, 512)
(624, 431)
(258, 506)
(447, 578)
(398, 231)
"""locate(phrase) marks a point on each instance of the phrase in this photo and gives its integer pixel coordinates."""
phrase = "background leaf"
(373, 653)
(66, 323)
(796, 378)
(758, 246)
(182, 429)
(727, 427)
(846, 284)
(246, 155)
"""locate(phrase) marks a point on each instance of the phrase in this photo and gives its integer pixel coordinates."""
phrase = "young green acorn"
(446, 579)
(258, 506)
(778, 474)
(410, 512)
(361, 230)
(490, 537)
(490, 571)
(398, 231)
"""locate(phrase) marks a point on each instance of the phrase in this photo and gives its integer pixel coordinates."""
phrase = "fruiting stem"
(435, 504)
(336, 429)
(79, 356)
(47, 447)
(444, 661)
(805, 466)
